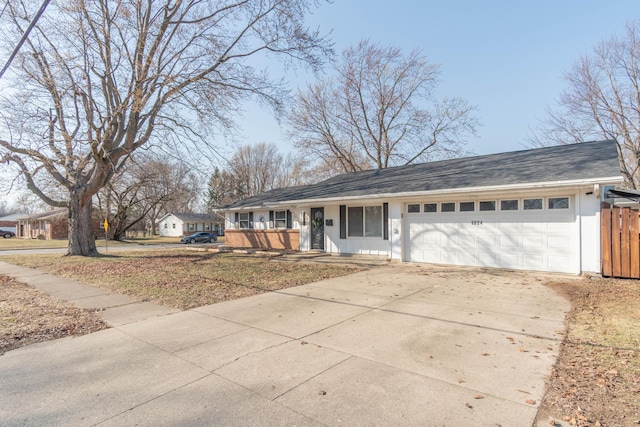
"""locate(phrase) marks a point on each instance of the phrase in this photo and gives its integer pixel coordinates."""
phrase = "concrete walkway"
(395, 345)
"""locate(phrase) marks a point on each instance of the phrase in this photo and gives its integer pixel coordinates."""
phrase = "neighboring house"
(49, 225)
(535, 209)
(52, 224)
(183, 224)
(9, 222)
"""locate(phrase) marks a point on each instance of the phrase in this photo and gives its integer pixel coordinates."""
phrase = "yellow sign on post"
(106, 234)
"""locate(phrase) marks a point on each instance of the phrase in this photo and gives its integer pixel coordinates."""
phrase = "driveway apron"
(396, 345)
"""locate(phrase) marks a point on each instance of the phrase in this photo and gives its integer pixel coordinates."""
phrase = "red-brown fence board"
(605, 235)
(620, 242)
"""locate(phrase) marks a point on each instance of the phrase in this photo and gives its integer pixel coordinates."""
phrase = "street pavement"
(400, 344)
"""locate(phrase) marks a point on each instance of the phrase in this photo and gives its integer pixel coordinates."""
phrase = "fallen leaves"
(28, 316)
(596, 378)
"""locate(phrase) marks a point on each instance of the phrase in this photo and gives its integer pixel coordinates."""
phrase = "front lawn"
(180, 278)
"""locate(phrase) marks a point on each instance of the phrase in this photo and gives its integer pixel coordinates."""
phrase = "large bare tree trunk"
(81, 239)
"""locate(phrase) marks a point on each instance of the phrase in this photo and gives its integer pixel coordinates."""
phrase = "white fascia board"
(543, 185)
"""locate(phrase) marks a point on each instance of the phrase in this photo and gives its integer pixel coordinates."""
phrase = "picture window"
(365, 221)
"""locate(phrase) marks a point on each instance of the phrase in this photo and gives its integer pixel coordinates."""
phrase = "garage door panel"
(559, 242)
(510, 243)
(533, 262)
(558, 263)
(489, 242)
(534, 242)
(543, 240)
(513, 259)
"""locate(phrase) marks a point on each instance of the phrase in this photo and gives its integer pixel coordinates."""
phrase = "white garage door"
(530, 234)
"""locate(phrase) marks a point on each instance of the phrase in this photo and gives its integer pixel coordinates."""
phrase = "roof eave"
(481, 189)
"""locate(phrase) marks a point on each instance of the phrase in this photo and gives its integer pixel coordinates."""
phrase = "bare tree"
(142, 191)
(378, 112)
(97, 80)
(601, 101)
(254, 169)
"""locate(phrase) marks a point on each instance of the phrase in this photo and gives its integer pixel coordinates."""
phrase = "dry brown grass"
(180, 278)
(596, 380)
(28, 316)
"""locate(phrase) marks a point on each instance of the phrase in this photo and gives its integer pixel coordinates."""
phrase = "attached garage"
(532, 233)
(535, 209)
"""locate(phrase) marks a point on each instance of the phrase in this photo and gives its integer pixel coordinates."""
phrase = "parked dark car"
(200, 237)
(7, 234)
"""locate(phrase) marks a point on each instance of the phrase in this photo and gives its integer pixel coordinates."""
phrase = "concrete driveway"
(396, 345)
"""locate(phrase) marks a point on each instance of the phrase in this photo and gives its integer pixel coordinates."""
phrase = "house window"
(558, 202)
(430, 207)
(207, 227)
(173, 225)
(509, 205)
(192, 227)
(489, 205)
(467, 206)
(448, 207)
(243, 219)
(280, 219)
(365, 221)
(413, 208)
(531, 204)
(166, 225)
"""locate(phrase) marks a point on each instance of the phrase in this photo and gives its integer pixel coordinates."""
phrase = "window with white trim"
(509, 205)
(243, 219)
(280, 219)
(430, 207)
(558, 202)
(413, 208)
(532, 204)
(467, 206)
(364, 221)
(192, 226)
(448, 207)
(488, 205)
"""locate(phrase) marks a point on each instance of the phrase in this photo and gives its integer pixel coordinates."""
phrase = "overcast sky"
(506, 57)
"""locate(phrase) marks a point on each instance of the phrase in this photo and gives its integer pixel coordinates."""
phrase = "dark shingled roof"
(587, 160)
(193, 217)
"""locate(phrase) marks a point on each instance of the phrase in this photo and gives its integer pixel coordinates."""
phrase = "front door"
(317, 228)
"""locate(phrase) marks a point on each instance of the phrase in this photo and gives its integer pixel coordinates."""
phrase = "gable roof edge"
(509, 187)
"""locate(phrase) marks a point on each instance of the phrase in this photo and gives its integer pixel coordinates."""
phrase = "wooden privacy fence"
(620, 242)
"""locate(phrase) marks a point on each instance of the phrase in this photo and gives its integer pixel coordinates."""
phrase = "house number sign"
(476, 222)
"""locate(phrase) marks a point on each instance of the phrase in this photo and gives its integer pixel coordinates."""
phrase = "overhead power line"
(45, 3)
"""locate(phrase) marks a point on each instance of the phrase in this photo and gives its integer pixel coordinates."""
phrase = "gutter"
(446, 191)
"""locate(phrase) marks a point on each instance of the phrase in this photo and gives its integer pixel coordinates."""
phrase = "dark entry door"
(317, 228)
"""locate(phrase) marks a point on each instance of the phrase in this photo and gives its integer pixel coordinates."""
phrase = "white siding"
(170, 227)
(589, 219)
(351, 245)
